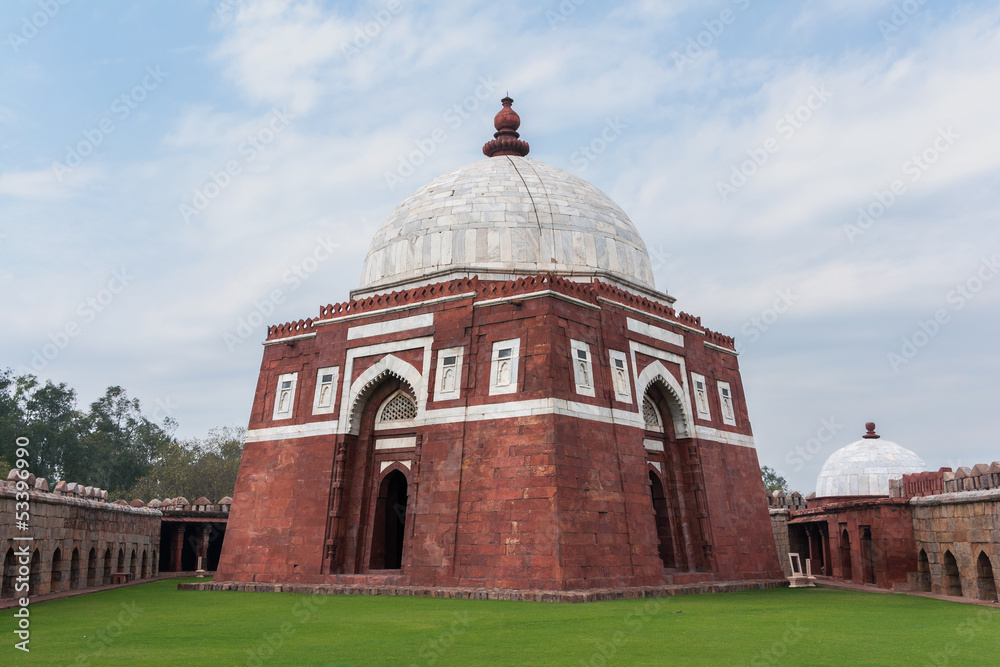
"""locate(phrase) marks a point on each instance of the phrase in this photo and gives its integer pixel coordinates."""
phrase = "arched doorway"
(390, 523)
(923, 572)
(131, 566)
(846, 568)
(106, 579)
(9, 574)
(74, 569)
(952, 578)
(681, 483)
(867, 556)
(121, 561)
(666, 542)
(92, 568)
(55, 583)
(144, 573)
(984, 573)
(35, 575)
(364, 531)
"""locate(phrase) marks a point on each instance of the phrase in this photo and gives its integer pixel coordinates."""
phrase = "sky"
(819, 179)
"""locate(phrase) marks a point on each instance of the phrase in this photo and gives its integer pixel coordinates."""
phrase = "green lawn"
(155, 624)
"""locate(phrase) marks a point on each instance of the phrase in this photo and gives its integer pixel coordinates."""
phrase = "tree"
(195, 468)
(772, 480)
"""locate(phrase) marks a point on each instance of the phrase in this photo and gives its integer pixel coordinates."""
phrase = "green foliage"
(194, 468)
(817, 626)
(772, 480)
(112, 445)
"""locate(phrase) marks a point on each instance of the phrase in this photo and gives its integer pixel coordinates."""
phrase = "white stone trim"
(439, 392)
(385, 464)
(289, 339)
(620, 382)
(658, 318)
(536, 295)
(654, 332)
(583, 377)
(391, 326)
(389, 363)
(408, 442)
(287, 413)
(292, 431)
(532, 408)
(728, 415)
(500, 384)
(318, 393)
(701, 403)
(719, 348)
(725, 437)
(652, 445)
(656, 464)
(684, 422)
(394, 309)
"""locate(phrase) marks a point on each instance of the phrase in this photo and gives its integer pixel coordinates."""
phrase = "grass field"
(155, 624)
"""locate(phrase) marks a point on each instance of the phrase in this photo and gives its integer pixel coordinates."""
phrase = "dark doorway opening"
(952, 578)
(923, 572)
(74, 569)
(867, 556)
(92, 568)
(846, 568)
(984, 572)
(55, 583)
(106, 579)
(390, 523)
(35, 576)
(666, 543)
(9, 574)
(144, 572)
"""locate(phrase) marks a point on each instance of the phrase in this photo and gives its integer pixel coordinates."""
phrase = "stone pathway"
(869, 588)
(8, 603)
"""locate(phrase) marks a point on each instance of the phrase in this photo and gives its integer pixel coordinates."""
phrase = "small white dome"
(864, 468)
(503, 217)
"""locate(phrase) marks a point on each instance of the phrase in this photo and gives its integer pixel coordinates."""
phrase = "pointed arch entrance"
(680, 517)
(389, 529)
(952, 577)
(368, 500)
(984, 574)
(846, 568)
(923, 572)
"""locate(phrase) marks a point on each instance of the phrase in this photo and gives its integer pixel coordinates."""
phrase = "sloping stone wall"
(79, 542)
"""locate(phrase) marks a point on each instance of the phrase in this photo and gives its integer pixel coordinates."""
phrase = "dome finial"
(871, 434)
(506, 141)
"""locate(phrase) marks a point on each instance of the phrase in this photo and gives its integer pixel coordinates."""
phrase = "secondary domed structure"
(506, 402)
(864, 467)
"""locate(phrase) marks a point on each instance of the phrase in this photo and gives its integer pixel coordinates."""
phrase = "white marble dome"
(503, 217)
(864, 468)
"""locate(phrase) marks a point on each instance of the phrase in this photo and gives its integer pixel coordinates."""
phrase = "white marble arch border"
(676, 393)
(387, 365)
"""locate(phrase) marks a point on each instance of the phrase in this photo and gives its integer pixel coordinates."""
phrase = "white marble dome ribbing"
(864, 468)
(502, 217)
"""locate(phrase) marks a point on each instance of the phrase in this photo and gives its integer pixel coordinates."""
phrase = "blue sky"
(818, 179)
